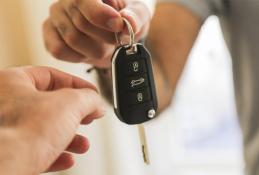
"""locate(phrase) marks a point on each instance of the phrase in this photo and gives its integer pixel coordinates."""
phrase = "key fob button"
(140, 96)
(136, 67)
(137, 82)
(134, 92)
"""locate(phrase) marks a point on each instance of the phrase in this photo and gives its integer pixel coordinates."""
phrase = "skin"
(83, 30)
(169, 40)
(37, 126)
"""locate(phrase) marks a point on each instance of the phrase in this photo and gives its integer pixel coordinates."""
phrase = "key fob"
(134, 92)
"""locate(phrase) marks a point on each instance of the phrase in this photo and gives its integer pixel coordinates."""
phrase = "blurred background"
(198, 135)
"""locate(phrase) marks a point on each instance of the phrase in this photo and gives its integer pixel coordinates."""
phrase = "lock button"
(136, 67)
(140, 96)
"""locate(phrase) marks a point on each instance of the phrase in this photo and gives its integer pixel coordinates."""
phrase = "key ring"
(131, 48)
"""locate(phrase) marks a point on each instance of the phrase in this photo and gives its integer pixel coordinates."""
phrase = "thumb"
(101, 14)
(138, 13)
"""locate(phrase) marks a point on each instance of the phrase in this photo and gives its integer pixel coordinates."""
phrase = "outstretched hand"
(40, 111)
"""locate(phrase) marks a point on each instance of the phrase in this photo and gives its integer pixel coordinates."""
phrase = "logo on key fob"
(137, 82)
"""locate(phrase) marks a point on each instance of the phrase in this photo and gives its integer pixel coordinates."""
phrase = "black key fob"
(134, 92)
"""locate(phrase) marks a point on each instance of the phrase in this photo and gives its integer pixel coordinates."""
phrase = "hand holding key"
(83, 30)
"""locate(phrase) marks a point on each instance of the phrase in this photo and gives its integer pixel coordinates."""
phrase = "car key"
(134, 92)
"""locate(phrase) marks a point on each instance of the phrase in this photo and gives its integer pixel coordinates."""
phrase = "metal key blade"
(143, 141)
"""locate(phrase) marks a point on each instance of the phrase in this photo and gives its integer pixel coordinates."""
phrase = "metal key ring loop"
(131, 34)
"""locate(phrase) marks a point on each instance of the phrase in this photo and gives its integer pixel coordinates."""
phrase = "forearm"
(172, 34)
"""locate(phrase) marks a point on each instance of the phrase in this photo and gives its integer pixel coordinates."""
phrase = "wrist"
(7, 153)
(13, 157)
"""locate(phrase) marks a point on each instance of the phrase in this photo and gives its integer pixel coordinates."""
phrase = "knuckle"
(88, 11)
(100, 54)
(77, 2)
(80, 96)
(53, 8)
(94, 17)
(57, 50)
(80, 22)
(103, 52)
(111, 40)
(72, 38)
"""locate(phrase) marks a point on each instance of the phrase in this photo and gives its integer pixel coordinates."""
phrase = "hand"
(83, 30)
(40, 111)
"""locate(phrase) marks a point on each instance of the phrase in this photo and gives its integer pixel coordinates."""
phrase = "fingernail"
(115, 24)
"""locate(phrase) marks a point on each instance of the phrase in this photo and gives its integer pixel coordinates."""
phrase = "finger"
(90, 118)
(79, 145)
(45, 78)
(83, 25)
(64, 161)
(66, 109)
(137, 13)
(117, 4)
(100, 14)
(103, 58)
(75, 39)
(56, 46)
